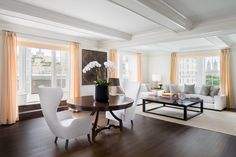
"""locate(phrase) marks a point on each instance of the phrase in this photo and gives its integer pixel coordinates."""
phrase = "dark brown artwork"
(88, 56)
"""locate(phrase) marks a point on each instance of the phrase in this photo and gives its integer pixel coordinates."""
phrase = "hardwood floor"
(148, 138)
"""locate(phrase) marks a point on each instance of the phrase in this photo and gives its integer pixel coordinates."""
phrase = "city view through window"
(200, 71)
(41, 67)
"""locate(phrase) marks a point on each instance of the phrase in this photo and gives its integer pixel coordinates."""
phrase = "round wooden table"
(87, 103)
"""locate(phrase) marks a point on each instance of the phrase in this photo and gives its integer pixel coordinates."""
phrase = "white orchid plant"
(100, 69)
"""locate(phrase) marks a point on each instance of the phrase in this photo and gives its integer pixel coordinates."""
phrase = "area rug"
(223, 122)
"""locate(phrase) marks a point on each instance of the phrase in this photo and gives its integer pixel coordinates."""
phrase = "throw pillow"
(205, 90)
(148, 86)
(174, 89)
(166, 89)
(189, 89)
(214, 91)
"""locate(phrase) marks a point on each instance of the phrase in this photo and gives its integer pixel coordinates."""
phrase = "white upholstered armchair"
(132, 91)
(66, 129)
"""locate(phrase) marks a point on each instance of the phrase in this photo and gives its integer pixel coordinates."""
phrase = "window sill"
(38, 102)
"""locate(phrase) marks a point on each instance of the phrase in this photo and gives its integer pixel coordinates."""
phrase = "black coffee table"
(178, 104)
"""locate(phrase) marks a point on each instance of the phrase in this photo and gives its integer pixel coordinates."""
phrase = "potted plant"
(101, 84)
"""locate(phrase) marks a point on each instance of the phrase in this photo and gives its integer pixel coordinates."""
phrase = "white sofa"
(217, 102)
(214, 103)
(146, 90)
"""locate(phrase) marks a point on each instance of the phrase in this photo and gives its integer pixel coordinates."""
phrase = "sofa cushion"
(148, 86)
(174, 89)
(144, 87)
(206, 99)
(189, 88)
(205, 90)
(145, 94)
(214, 91)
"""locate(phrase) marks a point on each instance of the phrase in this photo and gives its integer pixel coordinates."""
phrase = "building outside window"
(199, 70)
(41, 67)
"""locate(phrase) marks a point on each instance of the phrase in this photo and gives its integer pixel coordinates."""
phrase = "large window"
(128, 66)
(41, 67)
(203, 70)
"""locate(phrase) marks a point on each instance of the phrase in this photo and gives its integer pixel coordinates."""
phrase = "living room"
(117, 78)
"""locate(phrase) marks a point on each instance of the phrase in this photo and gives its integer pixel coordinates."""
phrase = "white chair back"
(50, 99)
(132, 91)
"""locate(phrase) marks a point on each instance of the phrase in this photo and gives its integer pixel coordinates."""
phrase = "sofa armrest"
(144, 87)
(220, 102)
(142, 95)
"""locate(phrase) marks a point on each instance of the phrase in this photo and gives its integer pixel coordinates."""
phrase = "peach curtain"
(9, 108)
(75, 81)
(139, 67)
(113, 57)
(173, 68)
(225, 77)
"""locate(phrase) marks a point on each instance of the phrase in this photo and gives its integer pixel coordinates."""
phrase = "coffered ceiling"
(203, 10)
(134, 25)
(188, 45)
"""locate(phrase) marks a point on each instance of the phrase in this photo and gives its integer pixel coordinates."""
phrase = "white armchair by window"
(132, 91)
(66, 129)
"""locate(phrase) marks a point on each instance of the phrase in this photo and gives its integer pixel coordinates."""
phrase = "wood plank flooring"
(148, 138)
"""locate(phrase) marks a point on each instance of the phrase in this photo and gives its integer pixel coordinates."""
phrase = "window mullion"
(24, 70)
(54, 68)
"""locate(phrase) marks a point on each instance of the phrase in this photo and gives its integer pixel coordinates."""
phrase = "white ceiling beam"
(217, 42)
(226, 40)
(158, 12)
(199, 49)
(36, 14)
(44, 34)
(211, 28)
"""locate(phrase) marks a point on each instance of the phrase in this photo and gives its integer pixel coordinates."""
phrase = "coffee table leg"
(185, 113)
(95, 124)
(202, 107)
(144, 106)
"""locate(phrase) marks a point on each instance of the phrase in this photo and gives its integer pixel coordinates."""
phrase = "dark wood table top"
(87, 103)
(170, 101)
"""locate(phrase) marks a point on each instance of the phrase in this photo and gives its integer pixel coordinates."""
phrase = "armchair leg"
(67, 143)
(89, 139)
(108, 121)
(55, 141)
(132, 123)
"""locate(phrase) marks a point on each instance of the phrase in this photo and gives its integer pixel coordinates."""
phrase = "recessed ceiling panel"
(203, 10)
(190, 43)
(231, 38)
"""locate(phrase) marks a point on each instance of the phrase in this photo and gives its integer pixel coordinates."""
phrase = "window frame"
(198, 55)
(132, 76)
(25, 43)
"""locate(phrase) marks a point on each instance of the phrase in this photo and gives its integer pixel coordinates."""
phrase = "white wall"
(159, 64)
(1, 57)
(145, 68)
